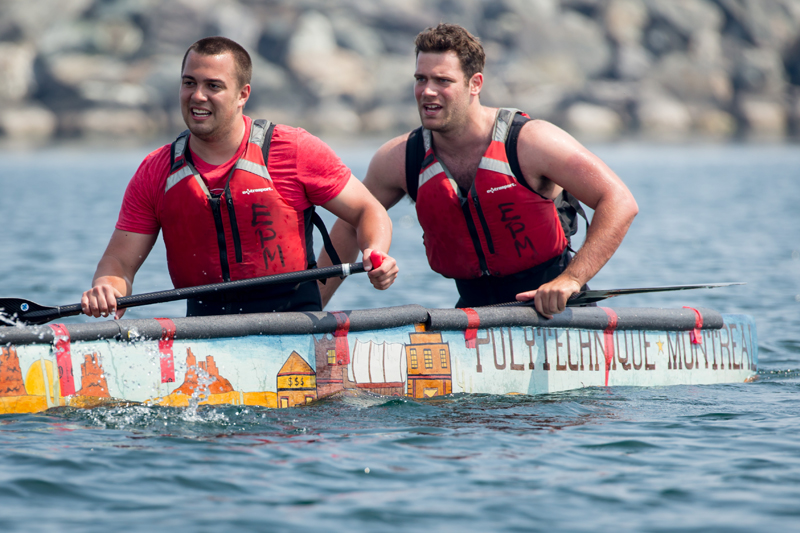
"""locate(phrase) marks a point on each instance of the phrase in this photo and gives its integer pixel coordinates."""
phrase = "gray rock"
(326, 69)
(162, 73)
(393, 77)
(113, 123)
(390, 119)
(692, 81)
(571, 37)
(72, 69)
(625, 21)
(28, 123)
(16, 64)
(760, 70)
(713, 123)
(687, 16)
(117, 37)
(30, 20)
(662, 117)
(356, 36)
(632, 62)
(118, 94)
(592, 122)
(237, 21)
(767, 23)
(541, 101)
(764, 119)
(334, 118)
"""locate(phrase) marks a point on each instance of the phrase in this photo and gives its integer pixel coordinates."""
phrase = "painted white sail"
(358, 370)
(371, 362)
(394, 362)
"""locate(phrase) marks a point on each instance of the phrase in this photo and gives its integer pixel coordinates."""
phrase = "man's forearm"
(110, 272)
(609, 225)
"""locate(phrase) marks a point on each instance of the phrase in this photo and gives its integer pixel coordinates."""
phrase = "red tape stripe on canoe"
(63, 359)
(340, 334)
(165, 349)
(696, 335)
(608, 338)
(473, 323)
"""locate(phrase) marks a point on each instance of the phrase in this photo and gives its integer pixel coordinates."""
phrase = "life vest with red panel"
(246, 231)
(497, 228)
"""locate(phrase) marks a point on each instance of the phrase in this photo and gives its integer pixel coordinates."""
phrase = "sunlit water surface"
(688, 458)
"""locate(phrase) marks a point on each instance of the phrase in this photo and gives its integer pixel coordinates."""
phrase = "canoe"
(284, 360)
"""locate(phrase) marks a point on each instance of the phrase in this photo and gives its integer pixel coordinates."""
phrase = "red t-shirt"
(304, 170)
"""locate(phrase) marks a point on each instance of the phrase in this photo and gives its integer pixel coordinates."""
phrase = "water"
(689, 458)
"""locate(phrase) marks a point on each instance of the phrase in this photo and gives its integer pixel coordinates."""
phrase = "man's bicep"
(386, 177)
(548, 153)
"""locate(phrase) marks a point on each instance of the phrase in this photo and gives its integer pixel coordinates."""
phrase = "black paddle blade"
(17, 310)
(591, 296)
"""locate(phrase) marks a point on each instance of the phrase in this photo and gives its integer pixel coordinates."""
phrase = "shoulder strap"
(415, 154)
(179, 151)
(511, 146)
(312, 219)
(267, 140)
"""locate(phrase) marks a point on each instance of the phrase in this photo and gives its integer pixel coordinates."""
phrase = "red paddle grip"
(376, 258)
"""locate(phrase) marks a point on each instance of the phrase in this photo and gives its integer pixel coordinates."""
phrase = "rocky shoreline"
(662, 70)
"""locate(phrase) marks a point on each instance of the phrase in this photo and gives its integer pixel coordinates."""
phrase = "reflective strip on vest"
(180, 144)
(430, 172)
(253, 168)
(495, 165)
(173, 179)
(503, 123)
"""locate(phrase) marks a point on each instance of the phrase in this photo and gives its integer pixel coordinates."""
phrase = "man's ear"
(476, 84)
(244, 94)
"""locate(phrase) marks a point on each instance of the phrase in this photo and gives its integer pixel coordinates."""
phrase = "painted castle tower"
(330, 372)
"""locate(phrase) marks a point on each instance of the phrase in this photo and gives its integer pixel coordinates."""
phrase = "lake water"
(686, 458)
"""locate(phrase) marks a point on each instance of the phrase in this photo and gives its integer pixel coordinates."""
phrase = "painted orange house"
(428, 360)
(297, 382)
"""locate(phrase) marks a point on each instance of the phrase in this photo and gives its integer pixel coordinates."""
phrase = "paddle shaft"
(148, 298)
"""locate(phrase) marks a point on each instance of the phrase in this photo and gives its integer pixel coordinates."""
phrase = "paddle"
(31, 313)
(592, 296)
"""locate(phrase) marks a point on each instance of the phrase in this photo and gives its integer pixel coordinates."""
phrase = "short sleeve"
(141, 203)
(304, 169)
(320, 170)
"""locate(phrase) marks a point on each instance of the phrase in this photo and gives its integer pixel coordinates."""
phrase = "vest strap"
(415, 154)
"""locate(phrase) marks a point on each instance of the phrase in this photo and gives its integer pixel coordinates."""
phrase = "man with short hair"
(488, 187)
(235, 200)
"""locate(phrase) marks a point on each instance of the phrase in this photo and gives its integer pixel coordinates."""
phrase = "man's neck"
(475, 133)
(216, 151)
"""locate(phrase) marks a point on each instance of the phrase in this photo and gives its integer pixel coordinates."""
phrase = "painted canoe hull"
(289, 359)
